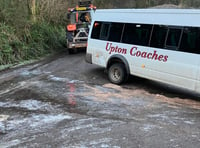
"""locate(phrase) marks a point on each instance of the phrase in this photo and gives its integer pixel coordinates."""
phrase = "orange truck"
(79, 23)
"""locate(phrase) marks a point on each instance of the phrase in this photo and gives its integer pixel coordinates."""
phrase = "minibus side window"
(173, 38)
(158, 36)
(96, 30)
(115, 32)
(104, 31)
(191, 40)
(138, 34)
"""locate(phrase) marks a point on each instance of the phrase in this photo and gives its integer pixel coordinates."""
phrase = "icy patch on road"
(189, 122)
(148, 127)
(80, 127)
(160, 116)
(30, 73)
(27, 104)
(101, 142)
(75, 81)
(59, 79)
(164, 118)
(45, 119)
(10, 143)
(91, 127)
(85, 124)
(174, 120)
(32, 104)
(3, 123)
(37, 121)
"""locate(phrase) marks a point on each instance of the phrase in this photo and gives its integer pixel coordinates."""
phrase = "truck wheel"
(67, 43)
(117, 73)
(71, 50)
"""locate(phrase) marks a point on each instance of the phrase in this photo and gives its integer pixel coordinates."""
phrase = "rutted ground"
(68, 103)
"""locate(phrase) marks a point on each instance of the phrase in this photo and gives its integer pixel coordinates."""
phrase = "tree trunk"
(33, 10)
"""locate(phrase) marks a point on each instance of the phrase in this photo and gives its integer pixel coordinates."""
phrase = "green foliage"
(20, 38)
(9, 45)
(37, 40)
(191, 3)
(43, 37)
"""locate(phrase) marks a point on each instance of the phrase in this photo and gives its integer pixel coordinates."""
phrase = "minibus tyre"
(117, 73)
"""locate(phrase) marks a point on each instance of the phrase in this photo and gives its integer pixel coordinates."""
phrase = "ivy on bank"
(31, 42)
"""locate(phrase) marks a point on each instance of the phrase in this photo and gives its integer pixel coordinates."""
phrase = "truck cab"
(79, 23)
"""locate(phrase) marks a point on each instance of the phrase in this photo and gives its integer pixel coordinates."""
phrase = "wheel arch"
(118, 59)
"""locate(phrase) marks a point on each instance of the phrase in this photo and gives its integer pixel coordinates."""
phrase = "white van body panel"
(181, 69)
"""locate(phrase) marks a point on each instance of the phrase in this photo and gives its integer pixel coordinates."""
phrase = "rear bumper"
(77, 45)
(88, 58)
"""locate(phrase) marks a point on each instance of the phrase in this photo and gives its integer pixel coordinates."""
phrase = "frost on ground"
(56, 105)
(37, 121)
(3, 123)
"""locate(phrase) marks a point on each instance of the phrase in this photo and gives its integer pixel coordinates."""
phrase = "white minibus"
(157, 44)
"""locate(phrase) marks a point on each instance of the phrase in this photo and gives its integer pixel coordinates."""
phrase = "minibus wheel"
(117, 73)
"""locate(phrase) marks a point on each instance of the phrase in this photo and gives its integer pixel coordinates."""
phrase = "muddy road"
(64, 102)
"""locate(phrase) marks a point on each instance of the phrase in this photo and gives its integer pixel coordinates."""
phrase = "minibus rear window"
(96, 30)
